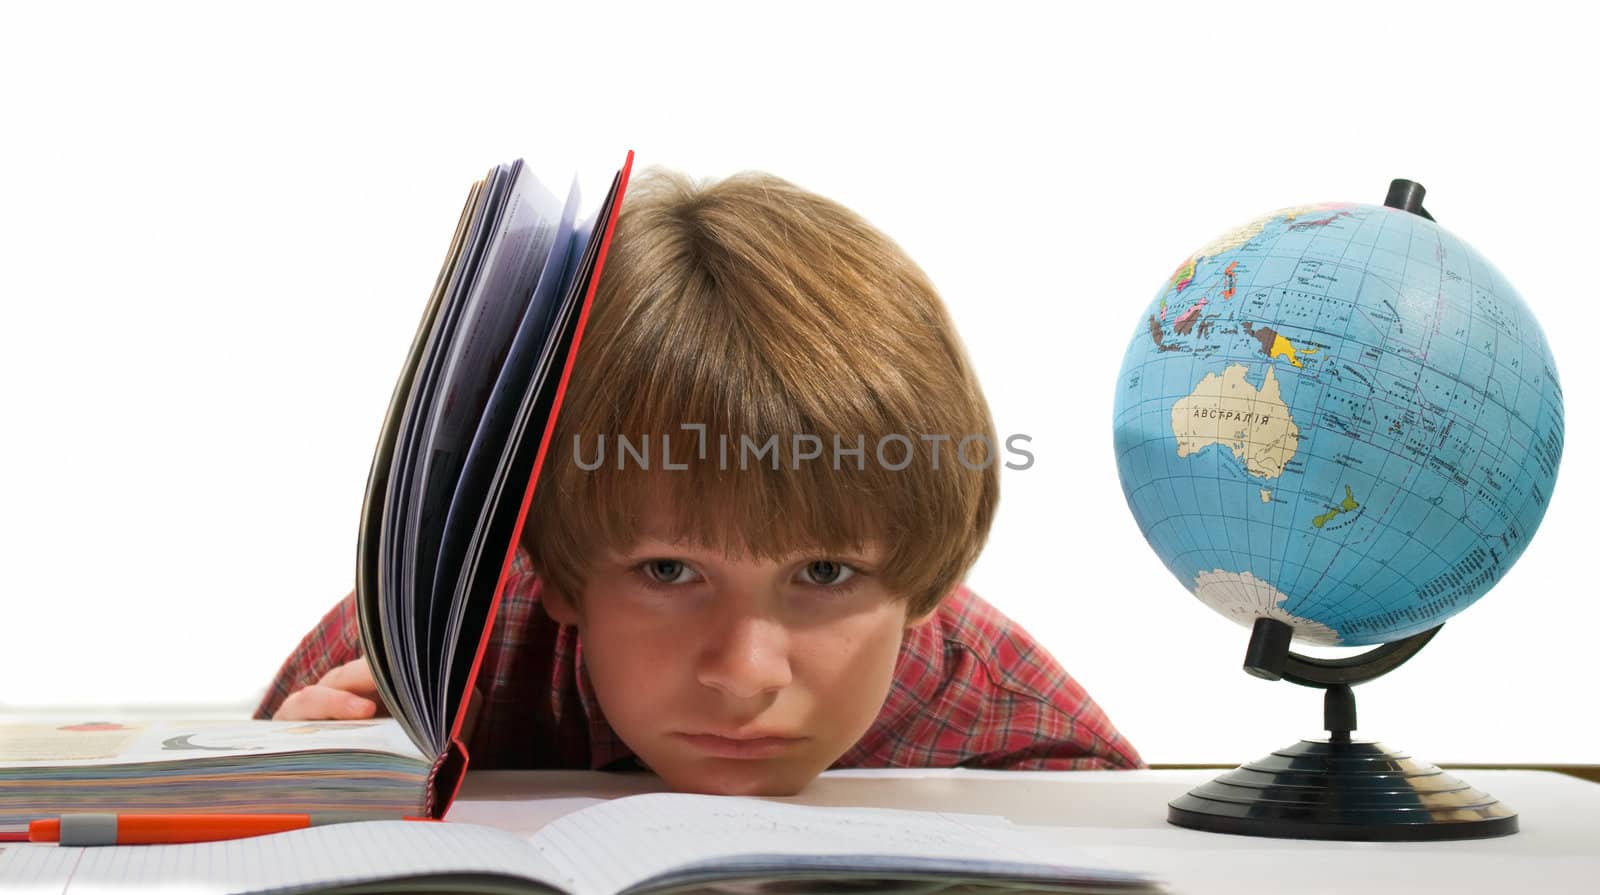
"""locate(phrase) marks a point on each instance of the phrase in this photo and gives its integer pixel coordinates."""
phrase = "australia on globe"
(1340, 416)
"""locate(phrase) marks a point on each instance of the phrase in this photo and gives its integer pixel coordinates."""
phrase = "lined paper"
(610, 847)
(600, 850)
(315, 857)
(36, 869)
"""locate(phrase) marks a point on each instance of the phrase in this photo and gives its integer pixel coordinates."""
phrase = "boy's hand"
(345, 693)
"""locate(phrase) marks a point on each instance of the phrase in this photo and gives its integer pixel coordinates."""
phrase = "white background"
(218, 229)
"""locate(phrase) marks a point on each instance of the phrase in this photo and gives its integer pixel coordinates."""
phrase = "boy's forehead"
(689, 545)
(657, 528)
(660, 527)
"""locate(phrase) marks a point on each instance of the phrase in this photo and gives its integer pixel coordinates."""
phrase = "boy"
(737, 607)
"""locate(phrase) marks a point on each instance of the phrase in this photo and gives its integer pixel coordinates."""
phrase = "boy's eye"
(822, 572)
(826, 572)
(664, 571)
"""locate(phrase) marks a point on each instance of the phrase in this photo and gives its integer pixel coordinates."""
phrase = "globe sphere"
(1340, 416)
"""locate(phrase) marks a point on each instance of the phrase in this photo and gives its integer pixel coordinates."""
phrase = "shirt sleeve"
(1069, 732)
(1035, 715)
(334, 641)
(973, 689)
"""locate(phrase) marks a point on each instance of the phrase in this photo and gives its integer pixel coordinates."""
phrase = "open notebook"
(452, 475)
(654, 843)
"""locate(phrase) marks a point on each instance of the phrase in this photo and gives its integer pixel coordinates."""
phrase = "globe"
(1340, 416)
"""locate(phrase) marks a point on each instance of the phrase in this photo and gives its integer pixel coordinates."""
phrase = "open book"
(196, 767)
(451, 480)
(461, 448)
(658, 843)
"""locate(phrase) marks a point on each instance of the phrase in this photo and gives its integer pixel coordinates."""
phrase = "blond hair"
(756, 308)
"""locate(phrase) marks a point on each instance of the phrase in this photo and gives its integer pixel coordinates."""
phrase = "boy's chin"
(729, 777)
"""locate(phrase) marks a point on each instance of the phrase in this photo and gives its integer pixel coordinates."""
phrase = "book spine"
(444, 780)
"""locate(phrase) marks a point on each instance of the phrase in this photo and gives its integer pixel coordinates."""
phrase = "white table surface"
(1121, 816)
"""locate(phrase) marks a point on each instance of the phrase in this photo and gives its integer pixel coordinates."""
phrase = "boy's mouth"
(745, 746)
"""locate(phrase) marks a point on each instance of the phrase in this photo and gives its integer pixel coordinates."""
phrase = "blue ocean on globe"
(1340, 416)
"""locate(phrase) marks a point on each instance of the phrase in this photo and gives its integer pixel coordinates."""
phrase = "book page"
(396, 558)
(511, 492)
(103, 743)
(472, 500)
(526, 233)
(368, 558)
(315, 858)
(36, 869)
(208, 767)
(648, 840)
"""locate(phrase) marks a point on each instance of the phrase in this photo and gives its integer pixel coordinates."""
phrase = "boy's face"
(737, 676)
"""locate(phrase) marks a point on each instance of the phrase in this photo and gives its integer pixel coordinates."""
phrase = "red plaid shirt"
(971, 689)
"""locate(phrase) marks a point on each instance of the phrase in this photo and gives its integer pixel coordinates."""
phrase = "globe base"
(1339, 788)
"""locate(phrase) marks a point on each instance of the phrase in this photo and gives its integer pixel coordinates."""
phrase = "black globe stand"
(1338, 787)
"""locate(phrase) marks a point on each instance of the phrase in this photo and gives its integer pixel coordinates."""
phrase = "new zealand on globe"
(1339, 424)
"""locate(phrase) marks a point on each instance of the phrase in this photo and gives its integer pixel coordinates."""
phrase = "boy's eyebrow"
(655, 546)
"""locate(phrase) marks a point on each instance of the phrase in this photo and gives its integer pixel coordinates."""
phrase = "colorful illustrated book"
(452, 478)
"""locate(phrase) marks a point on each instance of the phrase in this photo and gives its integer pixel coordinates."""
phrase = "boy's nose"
(746, 656)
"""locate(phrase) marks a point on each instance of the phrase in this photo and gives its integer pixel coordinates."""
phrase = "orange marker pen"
(159, 829)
